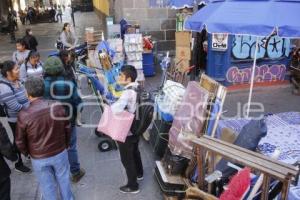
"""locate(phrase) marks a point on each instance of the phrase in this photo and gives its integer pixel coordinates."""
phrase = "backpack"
(143, 113)
(3, 108)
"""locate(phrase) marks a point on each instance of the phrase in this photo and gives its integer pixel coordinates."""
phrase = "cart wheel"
(99, 134)
(104, 146)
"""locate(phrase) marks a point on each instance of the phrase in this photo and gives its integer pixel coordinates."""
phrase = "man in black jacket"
(11, 26)
(6, 150)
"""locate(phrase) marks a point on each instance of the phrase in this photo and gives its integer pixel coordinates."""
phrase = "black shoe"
(22, 168)
(75, 178)
(128, 190)
(140, 177)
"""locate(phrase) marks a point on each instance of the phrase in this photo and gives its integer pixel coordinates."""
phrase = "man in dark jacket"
(6, 150)
(30, 40)
(11, 26)
(60, 87)
(43, 132)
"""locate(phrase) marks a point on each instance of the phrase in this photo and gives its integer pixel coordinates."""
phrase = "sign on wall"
(219, 41)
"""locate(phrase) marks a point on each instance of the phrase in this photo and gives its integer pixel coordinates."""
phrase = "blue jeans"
(52, 172)
(73, 153)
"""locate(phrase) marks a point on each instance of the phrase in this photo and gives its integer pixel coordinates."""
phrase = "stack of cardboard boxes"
(183, 50)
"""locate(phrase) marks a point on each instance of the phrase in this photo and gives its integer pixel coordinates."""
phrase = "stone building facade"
(158, 22)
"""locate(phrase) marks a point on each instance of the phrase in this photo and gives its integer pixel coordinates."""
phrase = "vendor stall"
(241, 172)
(230, 58)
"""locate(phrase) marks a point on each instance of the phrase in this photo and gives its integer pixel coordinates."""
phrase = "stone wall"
(158, 22)
(4, 5)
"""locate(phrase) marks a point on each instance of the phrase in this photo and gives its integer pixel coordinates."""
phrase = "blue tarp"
(256, 17)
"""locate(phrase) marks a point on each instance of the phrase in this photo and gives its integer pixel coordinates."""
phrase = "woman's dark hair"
(27, 31)
(32, 54)
(7, 66)
(65, 25)
(129, 71)
(64, 54)
(21, 42)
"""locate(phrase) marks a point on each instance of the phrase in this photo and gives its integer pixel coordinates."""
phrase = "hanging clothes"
(199, 55)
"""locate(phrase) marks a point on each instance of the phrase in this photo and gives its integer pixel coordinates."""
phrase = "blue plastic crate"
(148, 59)
(148, 70)
(165, 116)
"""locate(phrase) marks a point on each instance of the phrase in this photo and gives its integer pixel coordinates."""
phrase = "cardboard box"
(183, 53)
(182, 65)
(183, 38)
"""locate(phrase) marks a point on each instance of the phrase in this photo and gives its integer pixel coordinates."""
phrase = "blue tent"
(256, 17)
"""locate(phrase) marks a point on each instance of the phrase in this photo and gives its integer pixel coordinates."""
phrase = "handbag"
(115, 125)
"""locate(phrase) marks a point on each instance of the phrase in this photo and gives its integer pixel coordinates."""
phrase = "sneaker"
(127, 190)
(22, 168)
(27, 158)
(140, 178)
(75, 178)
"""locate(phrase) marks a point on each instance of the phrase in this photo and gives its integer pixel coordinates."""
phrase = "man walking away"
(59, 14)
(43, 132)
(6, 150)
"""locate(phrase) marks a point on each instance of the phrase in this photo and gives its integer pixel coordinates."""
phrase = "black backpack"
(143, 113)
(3, 108)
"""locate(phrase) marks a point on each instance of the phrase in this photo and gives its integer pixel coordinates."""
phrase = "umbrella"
(257, 17)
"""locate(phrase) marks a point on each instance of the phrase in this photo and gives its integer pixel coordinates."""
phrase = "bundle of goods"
(133, 44)
(190, 118)
(117, 46)
(169, 99)
(148, 44)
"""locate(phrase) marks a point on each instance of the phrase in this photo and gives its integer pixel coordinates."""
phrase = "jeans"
(5, 189)
(52, 172)
(131, 160)
(73, 153)
(60, 16)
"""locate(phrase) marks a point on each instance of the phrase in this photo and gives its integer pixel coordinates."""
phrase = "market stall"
(260, 176)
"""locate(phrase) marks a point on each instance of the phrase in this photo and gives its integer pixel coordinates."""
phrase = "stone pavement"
(104, 171)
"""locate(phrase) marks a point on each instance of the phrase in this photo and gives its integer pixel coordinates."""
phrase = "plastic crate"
(165, 116)
(149, 70)
(148, 59)
(159, 136)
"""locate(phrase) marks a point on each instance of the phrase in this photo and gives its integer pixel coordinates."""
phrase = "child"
(21, 54)
(129, 151)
